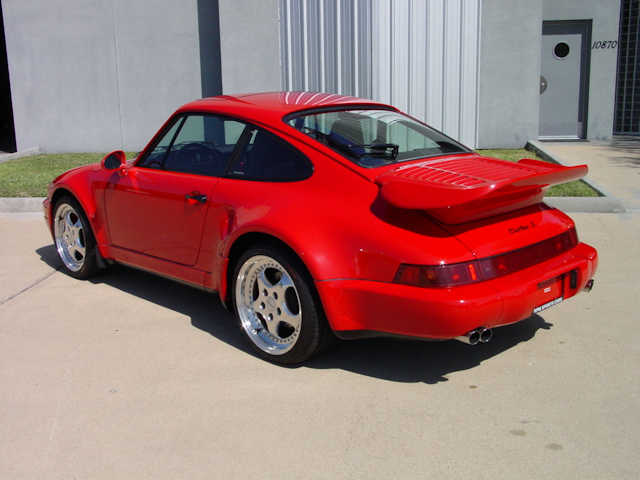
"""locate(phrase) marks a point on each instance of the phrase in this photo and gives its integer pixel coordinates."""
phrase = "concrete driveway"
(133, 376)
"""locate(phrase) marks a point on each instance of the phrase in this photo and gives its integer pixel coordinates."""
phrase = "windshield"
(372, 138)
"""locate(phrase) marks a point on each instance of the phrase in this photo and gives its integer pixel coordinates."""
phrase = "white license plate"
(553, 302)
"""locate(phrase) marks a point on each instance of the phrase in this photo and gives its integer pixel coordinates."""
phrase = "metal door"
(563, 87)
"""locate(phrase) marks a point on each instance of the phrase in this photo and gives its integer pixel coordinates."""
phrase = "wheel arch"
(64, 191)
(55, 197)
(246, 241)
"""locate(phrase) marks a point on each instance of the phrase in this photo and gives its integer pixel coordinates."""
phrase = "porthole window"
(561, 50)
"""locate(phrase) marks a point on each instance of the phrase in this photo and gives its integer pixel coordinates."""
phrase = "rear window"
(374, 137)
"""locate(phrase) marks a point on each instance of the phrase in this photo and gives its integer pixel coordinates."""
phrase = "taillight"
(450, 275)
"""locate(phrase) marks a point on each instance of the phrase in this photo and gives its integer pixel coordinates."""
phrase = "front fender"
(83, 184)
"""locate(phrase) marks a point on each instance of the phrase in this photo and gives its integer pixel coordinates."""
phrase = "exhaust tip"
(486, 335)
(470, 338)
(589, 285)
(474, 337)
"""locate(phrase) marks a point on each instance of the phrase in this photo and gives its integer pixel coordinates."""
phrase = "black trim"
(241, 144)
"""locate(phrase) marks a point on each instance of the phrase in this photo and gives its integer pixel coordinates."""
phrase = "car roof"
(270, 107)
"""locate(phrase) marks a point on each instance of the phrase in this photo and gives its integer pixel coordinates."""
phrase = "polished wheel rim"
(70, 238)
(268, 305)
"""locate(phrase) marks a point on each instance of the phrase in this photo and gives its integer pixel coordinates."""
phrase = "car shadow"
(387, 359)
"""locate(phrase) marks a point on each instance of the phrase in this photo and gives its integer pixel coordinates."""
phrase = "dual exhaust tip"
(484, 335)
(478, 335)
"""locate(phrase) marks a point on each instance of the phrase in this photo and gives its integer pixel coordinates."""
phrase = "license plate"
(544, 306)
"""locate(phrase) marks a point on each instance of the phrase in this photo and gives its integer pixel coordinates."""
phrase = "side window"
(268, 158)
(203, 145)
(155, 159)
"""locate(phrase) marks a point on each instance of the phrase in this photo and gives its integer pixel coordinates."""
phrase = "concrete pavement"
(614, 165)
(133, 376)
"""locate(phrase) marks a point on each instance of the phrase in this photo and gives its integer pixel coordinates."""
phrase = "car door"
(158, 206)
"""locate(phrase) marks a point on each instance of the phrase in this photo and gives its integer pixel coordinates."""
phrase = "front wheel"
(74, 239)
(276, 307)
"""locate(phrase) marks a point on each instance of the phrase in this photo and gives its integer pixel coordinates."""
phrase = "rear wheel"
(74, 239)
(275, 305)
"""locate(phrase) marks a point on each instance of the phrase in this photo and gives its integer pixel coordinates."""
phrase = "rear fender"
(310, 261)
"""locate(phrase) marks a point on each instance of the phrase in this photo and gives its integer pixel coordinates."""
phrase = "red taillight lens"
(486, 268)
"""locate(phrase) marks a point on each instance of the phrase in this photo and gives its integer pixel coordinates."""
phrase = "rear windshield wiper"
(379, 150)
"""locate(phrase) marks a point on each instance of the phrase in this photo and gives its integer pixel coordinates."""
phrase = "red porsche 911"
(315, 216)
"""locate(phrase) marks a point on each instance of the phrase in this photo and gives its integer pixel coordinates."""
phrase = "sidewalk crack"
(28, 287)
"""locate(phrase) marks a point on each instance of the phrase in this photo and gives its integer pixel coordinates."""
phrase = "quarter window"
(268, 158)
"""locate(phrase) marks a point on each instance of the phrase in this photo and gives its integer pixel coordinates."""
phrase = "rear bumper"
(441, 313)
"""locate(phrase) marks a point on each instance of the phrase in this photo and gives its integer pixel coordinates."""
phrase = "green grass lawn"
(29, 176)
(571, 189)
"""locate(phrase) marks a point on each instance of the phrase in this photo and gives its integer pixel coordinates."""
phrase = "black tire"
(90, 262)
(314, 333)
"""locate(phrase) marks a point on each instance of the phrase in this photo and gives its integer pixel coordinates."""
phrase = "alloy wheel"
(268, 305)
(70, 237)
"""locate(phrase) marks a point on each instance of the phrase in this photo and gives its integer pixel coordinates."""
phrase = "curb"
(21, 204)
(585, 204)
(606, 203)
(5, 157)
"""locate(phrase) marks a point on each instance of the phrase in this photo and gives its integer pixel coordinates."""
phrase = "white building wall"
(249, 46)
(96, 75)
(421, 56)
(509, 73)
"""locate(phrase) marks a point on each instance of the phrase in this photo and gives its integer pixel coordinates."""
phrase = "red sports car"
(316, 215)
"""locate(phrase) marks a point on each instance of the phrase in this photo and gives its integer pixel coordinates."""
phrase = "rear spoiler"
(465, 188)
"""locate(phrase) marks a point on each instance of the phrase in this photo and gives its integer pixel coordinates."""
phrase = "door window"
(200, 144)
(155, 159)
(204, 145)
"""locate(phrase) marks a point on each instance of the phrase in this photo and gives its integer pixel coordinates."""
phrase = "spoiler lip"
(457, 190)
(423, 186)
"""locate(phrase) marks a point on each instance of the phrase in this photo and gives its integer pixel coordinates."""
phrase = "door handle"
(195, 197)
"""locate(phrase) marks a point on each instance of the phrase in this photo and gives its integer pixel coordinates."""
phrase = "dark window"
(268, 158)
(627, 106)
(561, 50)
(204, 145)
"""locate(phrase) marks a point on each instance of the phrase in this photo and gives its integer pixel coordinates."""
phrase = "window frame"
(239, 147)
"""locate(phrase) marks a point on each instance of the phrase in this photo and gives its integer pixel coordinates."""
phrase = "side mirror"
(114, 160)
